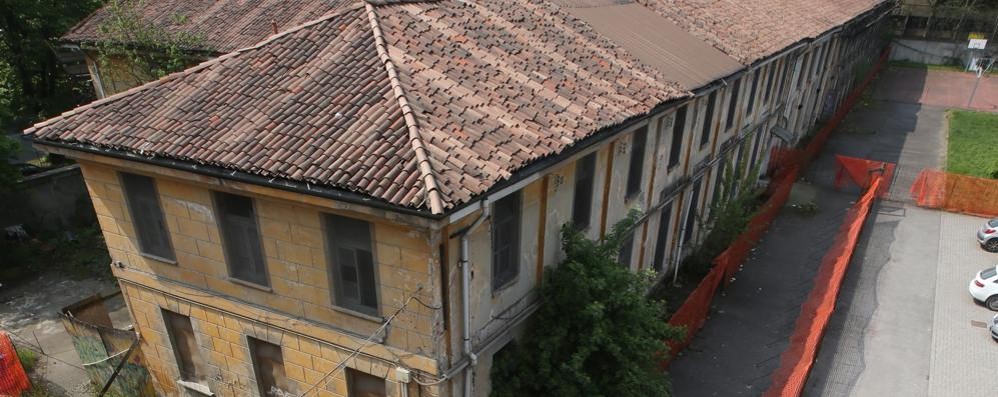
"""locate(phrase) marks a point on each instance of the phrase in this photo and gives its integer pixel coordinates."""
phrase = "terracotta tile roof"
(221, 25)
(751, 30)
(421, 105)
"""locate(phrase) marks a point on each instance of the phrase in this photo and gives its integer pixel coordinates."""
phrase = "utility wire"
(39, 350)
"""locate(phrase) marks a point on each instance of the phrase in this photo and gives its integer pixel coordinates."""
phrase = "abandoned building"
(364, 202)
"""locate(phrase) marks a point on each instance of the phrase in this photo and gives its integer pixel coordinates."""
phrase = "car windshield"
(993, 222)
(986, 274)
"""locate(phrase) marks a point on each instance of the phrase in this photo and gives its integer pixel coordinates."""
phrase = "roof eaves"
(188, 71)
(431, 189)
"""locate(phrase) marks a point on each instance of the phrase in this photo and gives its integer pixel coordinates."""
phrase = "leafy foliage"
(141, 50)
(28, 357)
(9, 176)
(78, 254)
(597, 332)
(33, 84)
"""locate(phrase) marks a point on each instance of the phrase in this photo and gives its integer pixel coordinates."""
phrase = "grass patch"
(28, 357)
(973, 144)
(923, 66)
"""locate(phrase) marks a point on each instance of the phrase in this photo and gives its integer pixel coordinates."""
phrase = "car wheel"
(992, 302)
(991, 245)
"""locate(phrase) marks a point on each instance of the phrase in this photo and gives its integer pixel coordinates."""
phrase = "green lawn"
(973, 144)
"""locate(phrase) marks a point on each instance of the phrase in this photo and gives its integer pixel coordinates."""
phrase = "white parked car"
(988, 235)
(994, 328)
(984, 287)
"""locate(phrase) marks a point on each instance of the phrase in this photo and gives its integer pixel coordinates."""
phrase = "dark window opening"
(185, 347)
(708, 120)
(733, 104)
(691, 216)
(719, 180)
(505, 241)
(755, 88)
(268, 365)
(662, 239)
(365, 385)
(677, 137)
(241, 238)
(351, 257)
(147, 216)
(626, 246)
(769, 82)
(582, 202)
(636, 168)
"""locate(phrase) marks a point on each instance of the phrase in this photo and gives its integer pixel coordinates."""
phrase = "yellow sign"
(976, 35)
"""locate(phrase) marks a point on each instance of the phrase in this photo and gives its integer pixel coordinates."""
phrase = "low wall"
(51, 200)
(933, 52)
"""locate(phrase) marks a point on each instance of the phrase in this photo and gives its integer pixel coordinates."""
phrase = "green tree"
(147, 50)
(33, 84)
(9, 176)
(597, 332)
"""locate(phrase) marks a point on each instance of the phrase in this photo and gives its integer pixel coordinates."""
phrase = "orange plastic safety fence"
(956, 193)
(693, 313)
(13, 380)
(795, 362)
(862, 171)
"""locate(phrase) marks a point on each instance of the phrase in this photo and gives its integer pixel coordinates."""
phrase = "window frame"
(331, 246)
(733, 100)
(691, 214)
(708, 120)
(588, 161)
(252, 346)
(216, 198)
(662, 238)
(636, 163)
(501, 282)
(750, 107)
(676, 144)
(130, 203)
(351, 374)
(199, 378)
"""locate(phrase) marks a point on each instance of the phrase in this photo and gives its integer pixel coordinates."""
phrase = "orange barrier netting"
(796, 362)
(13, 380)
(862, 171)
(956, 193)
(693, 313)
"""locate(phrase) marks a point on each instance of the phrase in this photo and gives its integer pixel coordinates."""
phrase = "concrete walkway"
(29, 312)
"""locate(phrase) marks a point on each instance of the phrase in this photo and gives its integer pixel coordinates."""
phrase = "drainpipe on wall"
(464, 263)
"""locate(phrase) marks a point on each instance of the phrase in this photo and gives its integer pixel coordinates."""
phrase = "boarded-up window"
(677, 137)
(364, 385)
(733, 104)
(769, 82)
(147, 216)
(237, 219)
(185, 347)
(585, 170)
(636, 167)
(351, 257)
(268, 365)
(662, 239)
(505, 240)
(719, 179)
(708, 120)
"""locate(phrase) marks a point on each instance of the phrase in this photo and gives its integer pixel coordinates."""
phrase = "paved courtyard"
(905, 324)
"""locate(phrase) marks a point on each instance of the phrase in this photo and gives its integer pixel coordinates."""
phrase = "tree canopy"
(597, 332)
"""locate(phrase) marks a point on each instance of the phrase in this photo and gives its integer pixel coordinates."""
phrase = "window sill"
(496, 291)
(358, 314)
(196, 387)
(250, 284)
(158, 258)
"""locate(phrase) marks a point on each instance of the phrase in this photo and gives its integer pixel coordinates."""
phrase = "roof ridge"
(427, 175)
(193, 69)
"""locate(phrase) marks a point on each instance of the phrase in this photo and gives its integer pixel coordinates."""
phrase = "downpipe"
(464, 263)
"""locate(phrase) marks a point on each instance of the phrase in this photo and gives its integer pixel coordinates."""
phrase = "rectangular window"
(352, 265)
(733, 104)
(708, 120)
(365, 385)
(636, 167)
(739, 168)
(505, 241)
(677, 137)
(691, 216)
(719, 180)
(185, 347)
(241, 239)
(626, 246)
(769, 82)
(755, 149)
(147, 216)
(755, 88)
(787, 70)
(662, 239)
(268, 365)
(582, 202)
(803, 70)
